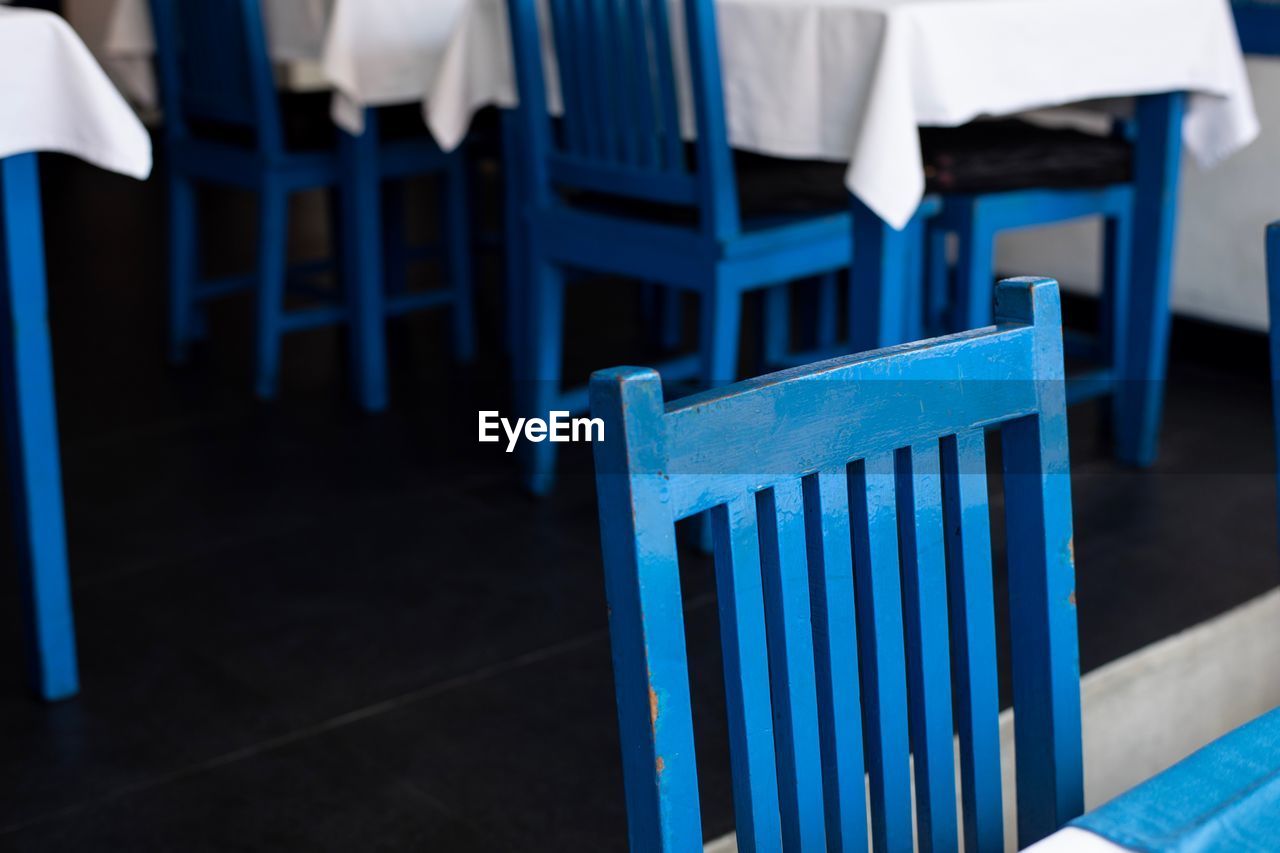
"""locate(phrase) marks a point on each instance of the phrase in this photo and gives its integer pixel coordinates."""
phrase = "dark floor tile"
(305, 627)
(315, 794)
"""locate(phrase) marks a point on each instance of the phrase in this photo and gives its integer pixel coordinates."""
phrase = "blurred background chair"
(613, 188)
(225, 125)
(995, 177)
(819, 482)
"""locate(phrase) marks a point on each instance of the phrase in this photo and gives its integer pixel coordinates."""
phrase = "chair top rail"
(754, 434)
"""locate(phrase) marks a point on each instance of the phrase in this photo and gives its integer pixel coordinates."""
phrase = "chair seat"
(995, 156)
(985, 156)
(773, 187)
(307, 125)
(771, 191)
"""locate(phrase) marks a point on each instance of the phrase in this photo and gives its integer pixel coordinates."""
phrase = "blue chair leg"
(457, 226)
(1140, 393)
(938, 283)
(182, 265)
(514, 233)
(1273, 311)
(32, 435)
(395, 239)
(975, 272)
(827, 306)
(777, 324)
(879, 279)
(720, 330)
(670, 317)
(540, 383)
(914, 299)
(1117, 274)
(273, 237)
(362, 254)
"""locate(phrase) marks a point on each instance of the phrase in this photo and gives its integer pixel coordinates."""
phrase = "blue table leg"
(1141, 371)
(362, 263)
(513, 225)
(886, 268)
(1273, 315)
(31, 424)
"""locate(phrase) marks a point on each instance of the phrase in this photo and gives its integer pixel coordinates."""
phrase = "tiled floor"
(305, 628)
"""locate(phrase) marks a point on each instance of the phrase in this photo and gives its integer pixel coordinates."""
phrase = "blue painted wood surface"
(214, 69)
(1157, 160)
(1258, 23)
(1273, 316)
(31, 436)
(853, 566)
(924, 596)
(830, 554)
(620, 139)
(973, 636)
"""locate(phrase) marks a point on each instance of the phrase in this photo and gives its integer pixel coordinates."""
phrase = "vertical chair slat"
(973, 637)
(835, 651)
(563, 29)
(602, 47)
(790, 636)
(668, 109)
(873, 516)
(1046, 686)
(746, 675)
(625, 68)
(603, 69)
(642, 81)
(581, 41)
(924, 573)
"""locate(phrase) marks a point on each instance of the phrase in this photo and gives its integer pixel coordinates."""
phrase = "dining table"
(849, 81)
(853, 81)
(379, 53)
(53, 98)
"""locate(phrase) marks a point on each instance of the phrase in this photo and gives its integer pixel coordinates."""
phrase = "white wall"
(1220, 273)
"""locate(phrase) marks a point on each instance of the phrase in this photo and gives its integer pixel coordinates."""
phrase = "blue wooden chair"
(853, 571)
(224, 125)
(31, 435)
(614, 189)
(1022, 177)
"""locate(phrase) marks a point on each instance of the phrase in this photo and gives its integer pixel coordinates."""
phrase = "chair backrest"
(213, 66)
(619, 91)
(850, 518)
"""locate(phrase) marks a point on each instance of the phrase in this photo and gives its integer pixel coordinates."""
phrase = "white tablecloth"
(295, 33)
(382, 52)
(55, 97)
(852, 80)
(372, 52)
